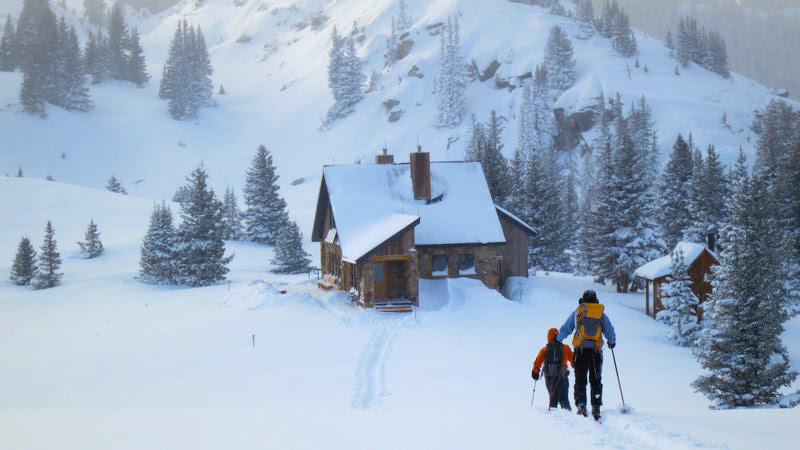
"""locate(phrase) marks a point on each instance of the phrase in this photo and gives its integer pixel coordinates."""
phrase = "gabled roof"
(662, 267)
(373, 202)
(516, 219)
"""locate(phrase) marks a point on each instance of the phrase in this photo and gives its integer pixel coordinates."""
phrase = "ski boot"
(596, 412)
(582, 410)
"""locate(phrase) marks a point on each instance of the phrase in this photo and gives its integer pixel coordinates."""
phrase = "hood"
(551, 334)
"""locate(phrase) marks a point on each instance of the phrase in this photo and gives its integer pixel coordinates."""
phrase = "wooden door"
(395, 272)
(379, 281)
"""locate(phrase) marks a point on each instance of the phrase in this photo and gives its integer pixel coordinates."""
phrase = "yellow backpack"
(588, 326)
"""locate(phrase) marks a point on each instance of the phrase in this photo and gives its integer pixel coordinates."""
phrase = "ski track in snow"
(370, 376)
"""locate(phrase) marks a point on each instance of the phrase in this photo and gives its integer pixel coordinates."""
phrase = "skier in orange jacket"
(555, 357)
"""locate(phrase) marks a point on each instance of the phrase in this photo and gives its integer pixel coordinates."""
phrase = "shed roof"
(662, 266)
(373, 202)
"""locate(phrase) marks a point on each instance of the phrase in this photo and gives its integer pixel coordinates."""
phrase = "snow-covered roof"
(373, 202)
(663, 266)
(515, 219)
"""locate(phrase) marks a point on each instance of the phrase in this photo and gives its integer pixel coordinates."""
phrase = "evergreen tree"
(740, 346)
(695, 227)
(266, 213)
(200, 249)
(7, 57)
(137, 69)
(683, 46)
(117, 43)
(24, 267)
(681, 304)
(451, 82)
(670, 44)
(157, 263)
(403, 19)
(494, 163)
(185, 79)
(115, 186)
(516, 170)
(674, 192)
(92, 247)
(344, 76)
(47, 274)
(585, 19)
(36, 43)
(569, 204)
(289, 254)
(231, 218)
(95, 58)
(390, 56)
(95, 12)
(558, 60)
(68, 83)
(623, 39)
(541, 200)
(542, 110)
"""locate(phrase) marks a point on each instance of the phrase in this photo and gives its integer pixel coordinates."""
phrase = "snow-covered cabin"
(698, 260)
(383, 226)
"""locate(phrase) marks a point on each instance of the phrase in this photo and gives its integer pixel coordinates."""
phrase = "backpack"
(588, 326)
(554, 359)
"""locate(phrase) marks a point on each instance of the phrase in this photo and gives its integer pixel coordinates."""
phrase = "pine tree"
(200, 249)
(674, 192)
(24, 267)
(695, 230)
(115, 186)
(344, 77)
(390, 56)
(451, 82)
(494, 164)
(7, 57)
(681, 304)
(403, 19)
(670, 44)
(740, 346)
(95, 58)
(157, 263)
(558, 60)
(569, 204)
(47, 274)
(185, 79)
(542, 110)
(541, 200)
(623, 39)
(231, 218)
(92, 247)
(585, 19)
(137, 69)
(94, 11)
(68, 82)
(289, 254)
(266, 210)
(117, 43)
(683, 46)
(36, 44)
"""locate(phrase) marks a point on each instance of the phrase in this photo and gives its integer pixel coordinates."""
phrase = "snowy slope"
(106, 362)
(277, 95)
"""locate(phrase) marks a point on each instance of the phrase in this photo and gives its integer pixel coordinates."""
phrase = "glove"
(535, 375)
(612, 344)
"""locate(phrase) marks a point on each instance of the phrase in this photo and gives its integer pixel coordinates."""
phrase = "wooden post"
(647, 296)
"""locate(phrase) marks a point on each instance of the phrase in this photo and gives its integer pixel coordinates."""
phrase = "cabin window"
(377, 272)
(439, 263)
(466, 264)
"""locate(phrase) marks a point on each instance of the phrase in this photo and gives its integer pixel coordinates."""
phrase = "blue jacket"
(569, 327)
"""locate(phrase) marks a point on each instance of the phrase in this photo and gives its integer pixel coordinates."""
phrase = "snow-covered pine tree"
(494, 164)
(47, 274)
(117, 43)
(200, 250)
(115, 186)
(137, 68)
(36, 41)
(185, 79)
(670, 43)
(7, 57)
(681, 304)
(525, 120)
(23, 269)
(451, 82)
(403, 19)
(344, 77)
(200, 75)
(91, 247)
(607, 19)
(623, 40)
(541, 202)
(558, 60)
(683, 46)
(289, 254)
(695, 230)
(569, 203)
(585, 19)
(390, 55)
(95, 12)
(95, 58)
(716, 55)
(542, 110)
(740, 345)
(68, 83)
(266, 214)
(157, 256)
(516, 171)
(231, 217)
(674, 192)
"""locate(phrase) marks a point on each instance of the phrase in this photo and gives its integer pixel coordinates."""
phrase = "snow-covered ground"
(106, 362)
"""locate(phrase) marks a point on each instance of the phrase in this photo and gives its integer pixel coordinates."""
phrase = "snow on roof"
(372, 202)
(515, 219)
(663, 266)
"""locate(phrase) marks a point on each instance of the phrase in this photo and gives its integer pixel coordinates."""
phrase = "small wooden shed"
(698, 260)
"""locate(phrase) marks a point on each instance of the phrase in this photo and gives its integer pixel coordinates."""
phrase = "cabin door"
(379, 281)
(389, 280)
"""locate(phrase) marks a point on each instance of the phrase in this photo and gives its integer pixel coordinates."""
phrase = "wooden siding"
(698, 273)
(515, 253)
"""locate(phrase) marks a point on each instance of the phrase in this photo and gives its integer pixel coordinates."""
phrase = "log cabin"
(383, 226)
(698, 260)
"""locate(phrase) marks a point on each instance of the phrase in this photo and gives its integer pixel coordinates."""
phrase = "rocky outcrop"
(571, 126)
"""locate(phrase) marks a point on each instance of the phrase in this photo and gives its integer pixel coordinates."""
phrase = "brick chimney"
(421, 174)
(384, 158)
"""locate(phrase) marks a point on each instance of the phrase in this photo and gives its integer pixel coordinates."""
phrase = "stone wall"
(487, 262)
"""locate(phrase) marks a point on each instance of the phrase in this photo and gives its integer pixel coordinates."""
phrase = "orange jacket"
(551, 334)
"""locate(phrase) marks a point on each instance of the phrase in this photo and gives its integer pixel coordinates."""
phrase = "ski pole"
(534, 392)
(618, 382)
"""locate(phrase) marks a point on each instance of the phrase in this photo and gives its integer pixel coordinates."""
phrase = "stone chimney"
(421, 174)
(384, 158)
